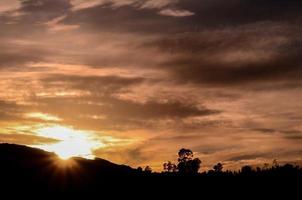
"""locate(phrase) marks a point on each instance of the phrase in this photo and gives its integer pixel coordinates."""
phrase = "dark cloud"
(265, 130)
(207, 13)
(266, 155)
(235, 57)
(216, 74)
(18, 59)
(127, 18)
(292, 132)
(43, 10)
(18, 52)
(103, 108)
(112, 113)
(209, 150)
(9, 111)
(249, 157)
(217, 12)
(95, 84)
(225, 55)
(295, 135)
(287, 134)
(135, 18)
(154, 110)
(200, 56)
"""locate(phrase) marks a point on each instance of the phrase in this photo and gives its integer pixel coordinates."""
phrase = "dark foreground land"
(27, 170)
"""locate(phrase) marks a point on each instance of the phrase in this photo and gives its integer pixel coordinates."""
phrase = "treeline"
(188, 165)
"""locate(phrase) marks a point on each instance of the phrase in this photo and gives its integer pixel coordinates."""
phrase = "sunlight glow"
(73, 143)
(42, 116)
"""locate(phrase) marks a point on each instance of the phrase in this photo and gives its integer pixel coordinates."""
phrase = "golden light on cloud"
(42, 116)
(72, 142)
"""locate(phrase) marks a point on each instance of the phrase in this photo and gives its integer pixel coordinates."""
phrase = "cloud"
(9, 5)
(25, 139)
(44, 9)
(95, 84)
(248, 157)
(42, 116)
(145, 4)
(235, 56)
(9, 111)
(269, 156)
(19, 52)
(144, 14)
(80, 4)
(209, 13)
(265, 130)
(176, 13)
(118, 114)
(18, 58)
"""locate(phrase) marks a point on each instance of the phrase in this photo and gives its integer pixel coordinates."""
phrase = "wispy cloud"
(9, 5)
(42, 116)
(176, 13)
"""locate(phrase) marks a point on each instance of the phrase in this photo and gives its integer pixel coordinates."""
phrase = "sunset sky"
(133, 81)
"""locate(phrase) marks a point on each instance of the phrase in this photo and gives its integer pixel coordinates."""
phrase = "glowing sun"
(71, 143)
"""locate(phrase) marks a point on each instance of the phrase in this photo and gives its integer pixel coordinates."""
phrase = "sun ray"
(72, 143)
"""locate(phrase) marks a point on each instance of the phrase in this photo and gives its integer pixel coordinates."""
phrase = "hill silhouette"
(33, 170)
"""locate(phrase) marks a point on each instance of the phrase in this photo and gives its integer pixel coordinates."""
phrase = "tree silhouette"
(195, 165)
(218, 168)
(186, 163)
(185, 155)
(148, 169)
(246, 170)
(170, 167)
(140, 169)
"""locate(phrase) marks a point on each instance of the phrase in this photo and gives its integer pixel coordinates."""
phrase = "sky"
(133, 81)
